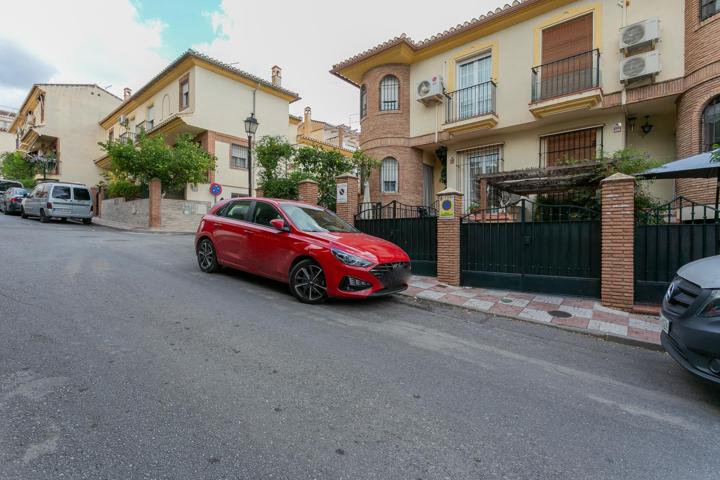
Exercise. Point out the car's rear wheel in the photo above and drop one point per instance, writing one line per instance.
(6, 211)
(87, 221)
(307, 282)
(207, 258)
(43, 217)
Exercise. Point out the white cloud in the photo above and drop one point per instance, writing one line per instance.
(84, 41)
(306, 39)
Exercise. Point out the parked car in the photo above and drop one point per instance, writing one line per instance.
(311, 248)
(690, 317)
(59, 200)
(6, 184)
(12, 200)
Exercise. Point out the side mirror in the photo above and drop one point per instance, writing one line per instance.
(279, 224)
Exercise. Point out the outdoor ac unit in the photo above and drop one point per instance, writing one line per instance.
(122, 120)
(640, 33)
(431, 91)
(639, 66)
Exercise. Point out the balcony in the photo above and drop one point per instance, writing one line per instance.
(572, 83)
(127, 137)
(471, 108)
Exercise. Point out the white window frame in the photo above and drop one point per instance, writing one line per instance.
(243, 149)
(384, 172)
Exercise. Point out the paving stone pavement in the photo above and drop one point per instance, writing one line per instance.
(585, 314)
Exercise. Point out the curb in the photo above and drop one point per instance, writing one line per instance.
(411, 300)
(123, 228)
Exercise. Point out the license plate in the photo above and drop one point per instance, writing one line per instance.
(665, 323)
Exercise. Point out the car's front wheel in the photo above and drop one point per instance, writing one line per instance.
(307, 282)
(207, 258)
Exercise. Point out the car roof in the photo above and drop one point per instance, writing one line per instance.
(64, 184)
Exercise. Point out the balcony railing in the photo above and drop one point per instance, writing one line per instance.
(470, 102)
(127, 137)
(564, 77)
(144, 126)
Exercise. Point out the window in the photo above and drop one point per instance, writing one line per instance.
(237, 210)
(81, 194)
(61, 193)
(150, 118)
(567, 148)
(708, 8)
(475, 92)
(184, 93)
(389, 175)
(111, 135)
(363, 101)
(238, 195)
(389, 93)
(309, 219)
(711, 124)
(238, 156)
(474, 162)
(264, 212)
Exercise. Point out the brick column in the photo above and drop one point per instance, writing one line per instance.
(155, 198)
(448, 238)
(349, 207)
(618, 237)
(308, 191)
(259, 192)
(98, 195)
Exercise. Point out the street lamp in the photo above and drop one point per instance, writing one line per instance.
(251, 125)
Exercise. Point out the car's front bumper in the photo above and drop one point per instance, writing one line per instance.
(381, 284)
(691, 361)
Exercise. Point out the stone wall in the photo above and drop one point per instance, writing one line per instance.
(134, 214)
(175, 215)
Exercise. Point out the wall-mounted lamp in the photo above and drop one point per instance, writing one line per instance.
(647, 127)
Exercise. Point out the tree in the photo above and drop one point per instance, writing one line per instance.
(14, 166)
(364, 164)
(185, 162)
(323, 166)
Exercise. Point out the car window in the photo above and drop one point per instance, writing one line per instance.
(236, 210)
(6, 184)
(312, 219)
(81, 194)
(264, 212)
(61, 193)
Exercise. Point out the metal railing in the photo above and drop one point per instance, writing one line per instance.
(394, 210)
(568, 75)
(470, 102)
(128, 137)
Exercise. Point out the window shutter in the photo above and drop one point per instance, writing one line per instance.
(567, 39)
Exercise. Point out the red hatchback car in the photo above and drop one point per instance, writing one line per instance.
(309, 247)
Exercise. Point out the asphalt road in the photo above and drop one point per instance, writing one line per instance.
(119, 359)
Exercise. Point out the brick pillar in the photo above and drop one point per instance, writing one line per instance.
(349, 207)
(618, 237)
(259, 192)
(155, 198)
(308, 191)
(448, 237)
(98, 195)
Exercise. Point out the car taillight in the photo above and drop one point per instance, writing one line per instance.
(712, 308)
(16, 200)
(48, 205)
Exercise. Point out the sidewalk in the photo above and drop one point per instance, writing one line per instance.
(579, 314)
(122, 226)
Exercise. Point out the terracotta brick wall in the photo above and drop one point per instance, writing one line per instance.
(448, 241)
(618, 231)
(386, 134)
(308, 191)
(347, 210)
(155, 198)
(701, 38)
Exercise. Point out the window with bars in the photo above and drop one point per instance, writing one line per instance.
(708, 8)
(389, 93)
(389, 175)
(238, 156)
(363, 101)
(568, 148)
(474, 162)
(711, 124)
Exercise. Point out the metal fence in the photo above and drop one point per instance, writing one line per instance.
(668, 237)
(474, 101)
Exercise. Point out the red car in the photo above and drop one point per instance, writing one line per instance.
(309, 247)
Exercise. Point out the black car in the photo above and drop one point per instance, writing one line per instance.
(690, 317)
(11, 202)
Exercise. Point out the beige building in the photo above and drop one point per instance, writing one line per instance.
(209, 100)
(7, 139)
(309, 131)
(62, 120)
(539, 83)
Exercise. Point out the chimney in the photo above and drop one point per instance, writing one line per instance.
(126, 93)
(307, 122)
(276, 76)
(341, 135)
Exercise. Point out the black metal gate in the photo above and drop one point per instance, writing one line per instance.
(412, 228)
(533, 248)
(668, 237)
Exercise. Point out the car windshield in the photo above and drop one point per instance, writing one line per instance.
(20, 192)
(309, 219)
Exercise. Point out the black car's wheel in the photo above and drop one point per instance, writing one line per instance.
(87, 221)
(43, 217)
(207, 259)
(22, 213)
(5, 211)
(307, 282)
(63, 220)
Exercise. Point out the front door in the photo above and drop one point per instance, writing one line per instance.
(474, 94)
(270, 248)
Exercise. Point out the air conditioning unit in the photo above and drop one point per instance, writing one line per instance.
(122, 120)
(640, 33)
(431, 91)
(638, 66)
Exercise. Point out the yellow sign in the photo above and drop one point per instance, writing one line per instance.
(447, 207)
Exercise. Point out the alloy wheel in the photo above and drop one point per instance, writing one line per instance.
(206, 255)
(310, 283)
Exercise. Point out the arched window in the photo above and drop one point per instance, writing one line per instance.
(363, 101)
(711, 124)
(389, 175)
(389, 93)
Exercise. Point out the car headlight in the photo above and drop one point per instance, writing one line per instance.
(712, 307)
(350, 259)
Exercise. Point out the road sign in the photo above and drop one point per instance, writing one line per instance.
(215, 189)
(341, 196)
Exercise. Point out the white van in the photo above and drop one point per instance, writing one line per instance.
(59, 200)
